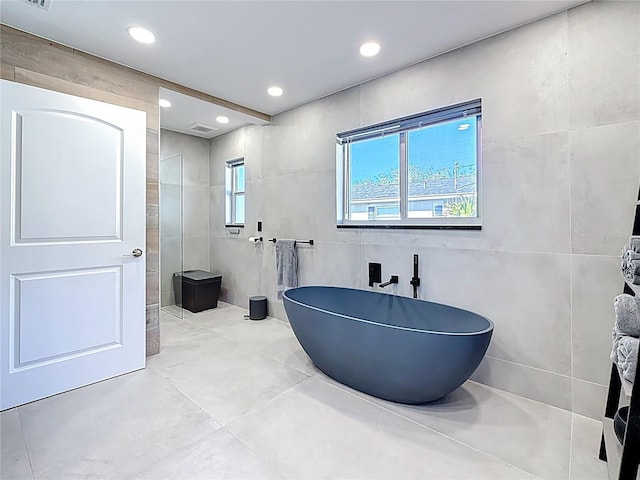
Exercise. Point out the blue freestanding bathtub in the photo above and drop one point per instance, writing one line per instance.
(396, 348)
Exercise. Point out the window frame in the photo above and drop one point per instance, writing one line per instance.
(231, 193)
(402, 127)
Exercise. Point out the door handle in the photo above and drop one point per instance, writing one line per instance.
(136, 253)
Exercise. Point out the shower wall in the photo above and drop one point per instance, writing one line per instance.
(190, 190)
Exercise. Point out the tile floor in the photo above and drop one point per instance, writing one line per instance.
(234, 398)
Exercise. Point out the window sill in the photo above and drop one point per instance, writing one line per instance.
(234, 226)
(412, 227)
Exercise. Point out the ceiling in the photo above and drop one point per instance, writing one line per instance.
(234, 50)
(187, 112)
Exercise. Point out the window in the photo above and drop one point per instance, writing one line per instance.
(420, 171)
(234, 192)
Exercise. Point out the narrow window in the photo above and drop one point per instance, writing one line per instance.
(420, 171)
(234, 182)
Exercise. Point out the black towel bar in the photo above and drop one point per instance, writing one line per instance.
(310, 242)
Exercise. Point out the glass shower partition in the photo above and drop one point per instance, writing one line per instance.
(171, 231)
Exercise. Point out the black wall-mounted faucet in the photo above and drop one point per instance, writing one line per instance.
(393, 279)
(375, 273)
(415, 281)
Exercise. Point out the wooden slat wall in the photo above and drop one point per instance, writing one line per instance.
(31, 60)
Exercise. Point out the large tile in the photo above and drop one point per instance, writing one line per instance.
(175, 329)
(328, 263)
(444, 239)
(254, 208)
(428, 85)
(239, 262)
(217, 212)
(166, 299)
(585, 446)
(171, 261)
(525, 194)
(195, 156)
(170, 168)
(14, 458)
(540, 385)
(520, 74)
(595, 282)
(303, 140)
(171, 311)
(325, 432)
(171, 210)
(253, 152)
(227, 295)
(270, 337)
(303, 206)
(193, 343)
(213, 319)
(604, 54)
(217, 456)
(196, 210)
(502, 424)
(604, 187)
(229, 146)
(276, 309)
(526, 295)
(197, 251)
(253, 213)
(116, 428)
(227, 380)
(589, 399)
(196, 162)
(268, 282)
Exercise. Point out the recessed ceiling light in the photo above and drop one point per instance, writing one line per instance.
(274, 91)
(369, 49)
(463, 126)
(164, 103)
(141, 34)
(222, 119)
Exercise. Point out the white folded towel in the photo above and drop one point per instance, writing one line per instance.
(616, 336)
(627, 314)
(628, 357)
(634, 244)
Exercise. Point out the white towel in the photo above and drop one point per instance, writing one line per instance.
(616, 336)
(634, 244)
(627, 315)
(623, 258)
(628, 357)
(286, 266)
(632, 255)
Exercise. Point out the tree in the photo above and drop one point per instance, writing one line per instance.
(465, 206)
(419, 174)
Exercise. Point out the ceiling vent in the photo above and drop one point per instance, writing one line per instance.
(44, 4)
(201, 128)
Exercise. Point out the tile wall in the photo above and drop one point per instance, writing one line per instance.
(560, 170)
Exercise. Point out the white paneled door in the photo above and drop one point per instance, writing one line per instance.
(72, 214)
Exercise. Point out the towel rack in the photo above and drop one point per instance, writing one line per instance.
(310, 242)
(623, 460)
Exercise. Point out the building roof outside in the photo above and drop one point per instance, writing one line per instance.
(436, 187)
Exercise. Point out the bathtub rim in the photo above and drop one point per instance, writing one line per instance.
(489, 329)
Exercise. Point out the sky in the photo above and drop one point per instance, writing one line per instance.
(438, 146)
